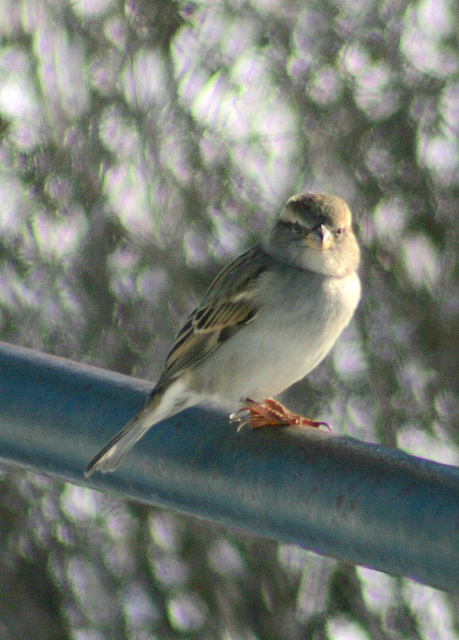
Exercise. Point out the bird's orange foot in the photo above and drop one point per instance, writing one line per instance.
(270, 413)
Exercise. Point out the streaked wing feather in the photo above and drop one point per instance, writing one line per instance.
(196, 347)
(228, 305)
(227, 312)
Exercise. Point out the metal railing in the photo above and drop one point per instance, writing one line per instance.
(332, 494)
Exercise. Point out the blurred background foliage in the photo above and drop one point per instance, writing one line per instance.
(143, 144)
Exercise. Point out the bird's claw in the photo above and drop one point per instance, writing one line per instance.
(270, 413)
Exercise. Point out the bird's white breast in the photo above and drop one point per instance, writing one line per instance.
(297, 324)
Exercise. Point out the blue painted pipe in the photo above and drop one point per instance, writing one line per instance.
(332, 494)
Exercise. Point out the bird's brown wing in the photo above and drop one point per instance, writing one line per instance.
(228, 305)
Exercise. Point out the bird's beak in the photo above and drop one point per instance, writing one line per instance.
(319, 238)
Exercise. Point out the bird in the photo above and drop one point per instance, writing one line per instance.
(266, 321)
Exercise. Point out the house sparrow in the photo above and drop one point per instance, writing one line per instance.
(265, 322)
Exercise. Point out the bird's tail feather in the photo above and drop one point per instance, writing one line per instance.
(160, 405)
(111, 455)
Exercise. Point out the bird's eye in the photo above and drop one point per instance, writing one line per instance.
(339, 232)
(297, 227)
